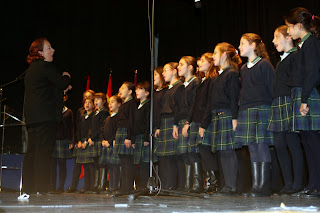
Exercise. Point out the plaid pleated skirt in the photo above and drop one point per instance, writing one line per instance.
(194, 138)
(182, 143)
(166, 144)
(107, 157)
(141, 152)
(222, 131)
(84, 155)
(312, 120)
(252, 126)
(94, 150)
(61, 149)
(119, 147)
(281, 112)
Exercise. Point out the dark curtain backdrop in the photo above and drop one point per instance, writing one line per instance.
(92, 37)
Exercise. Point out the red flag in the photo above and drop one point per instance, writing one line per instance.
(109, 90)
(135, 77)
(88, 82)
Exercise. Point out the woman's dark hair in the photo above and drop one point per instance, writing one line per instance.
(89, 91)
(145, 85)
(36, 46)
(212, 71)
(159, 70)
(232, 54)
(260, 50)
(301, 15)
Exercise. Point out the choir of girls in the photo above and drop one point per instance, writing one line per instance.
(201, 116)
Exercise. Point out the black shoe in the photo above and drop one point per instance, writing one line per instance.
(82, 191)
(70, 190)
(226, 190)
(300, 193)
(312, 193)
(197, 181)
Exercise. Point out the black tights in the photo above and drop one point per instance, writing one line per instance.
(62, 162)
(259, 152)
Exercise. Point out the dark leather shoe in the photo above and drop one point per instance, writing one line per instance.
(82, 191)
(312, 193)
(227, 191)
(70, 190)
(300, 193)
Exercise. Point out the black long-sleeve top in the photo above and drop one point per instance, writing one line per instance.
(96, 124)
(200, 101)
(84, 126)
(157, 95)
(282, 74)
(126, 117)
(109, 129)
(142, 121)
(189, 94)
(306, 72)
(257, 84)
(65, 129)
(173, 102)
(44, 87)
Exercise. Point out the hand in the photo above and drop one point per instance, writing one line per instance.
(185, 130)
(127, 143)
(90, 142)
(304, 109)
(175, 133)
(70, 145)
(201, 131)
(103, 143)
(114, 143)
(133, 146)
(67, 74)
(234, 124)
(156, 133)
(146, 143)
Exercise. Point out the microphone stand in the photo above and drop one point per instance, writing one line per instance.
(4, 120)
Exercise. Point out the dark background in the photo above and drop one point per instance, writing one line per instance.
(92, 37)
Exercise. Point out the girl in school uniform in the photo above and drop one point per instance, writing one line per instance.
(188, 161)
(142, 132)
(85, 153)
(124, 135)
(77, 167)
(255, 105)
(62, 148)
(100, 114)
(279, 121)
(222, 109)
(306, 100)
(166, 146)
(107, 156)
(202, 145)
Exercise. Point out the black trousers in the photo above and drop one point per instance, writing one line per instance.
(36, 164)
(75, 175)
(88, 176)
(127, 172)
(114, 176)
(62, 162)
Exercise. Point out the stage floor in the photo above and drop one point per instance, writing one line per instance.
(105, 203)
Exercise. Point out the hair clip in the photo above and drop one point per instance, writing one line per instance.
(312, 17)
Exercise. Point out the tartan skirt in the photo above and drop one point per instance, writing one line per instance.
(107, 157)
(84, 155)
(222, 131)
(94, 150)
(252, 126)
(166, 144)
(141, 152)
(279, 120)
(182, 143)
(61, 149)
(312, 120)
(194, 138)
(119, 147)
